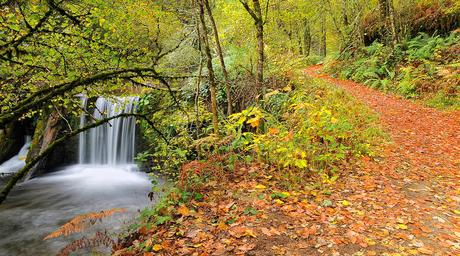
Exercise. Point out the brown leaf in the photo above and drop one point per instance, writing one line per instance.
(192, 233)
(239, 232)
(246, 247)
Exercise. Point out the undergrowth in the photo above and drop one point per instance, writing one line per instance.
(424, 68)
(307, 128)
(314, 128)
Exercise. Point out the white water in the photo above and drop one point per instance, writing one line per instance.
(39, 206)
(113, 143)
(105, 178)
(18, 161)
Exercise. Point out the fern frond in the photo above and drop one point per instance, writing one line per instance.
(80, 222)
(99, 239)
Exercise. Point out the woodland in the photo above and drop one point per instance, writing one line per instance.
(257, 127)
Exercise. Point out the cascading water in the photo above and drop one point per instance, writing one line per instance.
(105, 178)
(112, 143)
(18, 161)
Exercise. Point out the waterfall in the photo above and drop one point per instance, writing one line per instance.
(18, 161)
(111, 143)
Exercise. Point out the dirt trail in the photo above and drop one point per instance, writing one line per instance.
(415, 187)
(405, 202)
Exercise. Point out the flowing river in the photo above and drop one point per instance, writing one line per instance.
(105, 178)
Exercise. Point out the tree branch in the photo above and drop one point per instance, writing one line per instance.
(16, 42)
(37, 99)
(249, 10)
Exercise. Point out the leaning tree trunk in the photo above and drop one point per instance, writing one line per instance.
(221, 57)
(212, 80)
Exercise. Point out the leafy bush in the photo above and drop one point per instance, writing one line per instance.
(317, 128)
(166, 153)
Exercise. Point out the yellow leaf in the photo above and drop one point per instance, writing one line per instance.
(457, 212)
(250, 232)
(370, 241)
(360, 213)
(260, 186)
(254, 122)
(277, 201)
(345, 203)
(413, 252)
(287, 194)
(401, 226)
(157, 247)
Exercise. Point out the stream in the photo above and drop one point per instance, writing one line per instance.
(105, 178)
(39, 206)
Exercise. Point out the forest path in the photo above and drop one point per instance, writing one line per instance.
(404, 202)
(413, 191)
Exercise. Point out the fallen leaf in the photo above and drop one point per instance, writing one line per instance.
(250, 232)
(183, 210)
(401, 226)
(157, 247)
(260, 186)
(246, 247)
(425, 250)
(278, 201)
(239, 232)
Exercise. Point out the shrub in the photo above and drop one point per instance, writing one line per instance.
(317, 128)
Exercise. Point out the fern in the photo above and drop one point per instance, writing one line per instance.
(81, 222)
(99, 239)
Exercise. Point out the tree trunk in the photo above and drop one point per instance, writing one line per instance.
(299, 42)
(344, 13)
(212, 80)
(221, 57)
(260, 47)
(198, 83)
(306, 38)
(388, 19)
(383, 7)
(257, 16)
(323, 46)
(392, 23)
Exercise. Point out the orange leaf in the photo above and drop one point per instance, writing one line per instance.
(273, 131)
(425, 250)
(183, 210)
